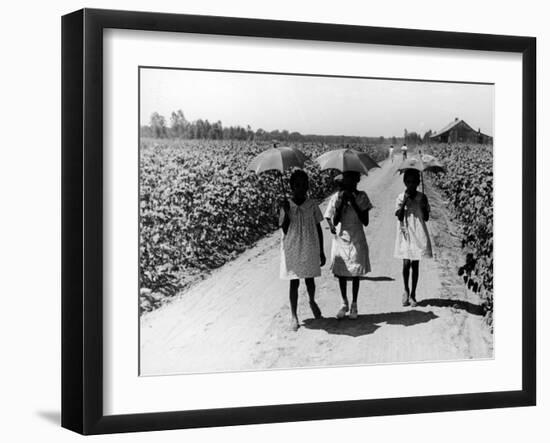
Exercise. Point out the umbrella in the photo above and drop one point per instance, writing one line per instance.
(431, 164)
(280, 158)
(424, 163)
(347, 160)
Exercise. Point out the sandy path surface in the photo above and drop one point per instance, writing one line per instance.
(237, 319)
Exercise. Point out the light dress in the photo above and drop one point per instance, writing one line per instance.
(300, 251)
(412, 238)
(350, 251)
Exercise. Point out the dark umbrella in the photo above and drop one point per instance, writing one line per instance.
(280, 159)
(422, 163)
(347, 160)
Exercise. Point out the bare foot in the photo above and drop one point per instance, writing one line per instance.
(342, 312)
(405, 299)
(294, 325)
(353, 314)
(412, 301)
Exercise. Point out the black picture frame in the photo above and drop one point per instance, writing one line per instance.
(82, 216)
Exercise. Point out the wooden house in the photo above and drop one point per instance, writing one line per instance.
(459, 131)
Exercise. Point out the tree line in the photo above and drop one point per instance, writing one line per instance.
(180, 128)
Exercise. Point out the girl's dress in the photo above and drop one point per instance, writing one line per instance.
(350, 251)
(412, 239)
(300, 249)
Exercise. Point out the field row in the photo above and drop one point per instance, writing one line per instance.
(468, 185)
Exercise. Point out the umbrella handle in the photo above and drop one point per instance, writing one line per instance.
(281, 182)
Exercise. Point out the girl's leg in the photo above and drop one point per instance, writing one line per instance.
(342, 282)
(355, 288)
(355, 292)
(406, 271)
(310, 285)
(414, 265)
(293, 295)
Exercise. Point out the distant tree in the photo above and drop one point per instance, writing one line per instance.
(426, 138)
(260, 134)
(216, 131)
(206, 129)
(413, 138)
(180, 127)
(199, 129)
(158, 125)
(295, 136)
(178, 124)
(226, 133)
(145, 131)
(249, 133)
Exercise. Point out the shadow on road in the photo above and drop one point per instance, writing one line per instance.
(471, 308)
(380, 278)
(369, 323)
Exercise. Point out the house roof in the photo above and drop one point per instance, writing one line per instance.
(451, 126)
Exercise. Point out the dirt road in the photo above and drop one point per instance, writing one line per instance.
(238, 318)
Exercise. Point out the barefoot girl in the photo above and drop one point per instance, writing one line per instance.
(349, 212)
(412, 241)
(302, 244)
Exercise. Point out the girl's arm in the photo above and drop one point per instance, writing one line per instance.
(339, 207)
(364, 217)
(331, 225)
(286, 223)
(400, 212)
(286, 219)
(321, 248)
(425, 207)
(362, 214)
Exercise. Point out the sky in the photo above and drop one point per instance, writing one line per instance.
(315, 105)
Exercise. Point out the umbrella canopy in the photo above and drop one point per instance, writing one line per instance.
(431, 164)
(347, 160)
(426, 163)
(279, 159)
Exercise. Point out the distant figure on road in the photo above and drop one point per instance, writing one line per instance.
(404, 150)
(391, 153)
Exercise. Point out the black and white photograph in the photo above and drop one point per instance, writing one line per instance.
(302, 221)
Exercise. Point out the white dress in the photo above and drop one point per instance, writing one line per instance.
(412, 238)
(350, 251)
(300, 249)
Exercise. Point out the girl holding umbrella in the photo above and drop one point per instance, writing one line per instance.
(302, 241)
(412, 241)
(302, 252)
(348, 210)
(412, 209)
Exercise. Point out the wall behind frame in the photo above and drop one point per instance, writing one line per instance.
(30, 218)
